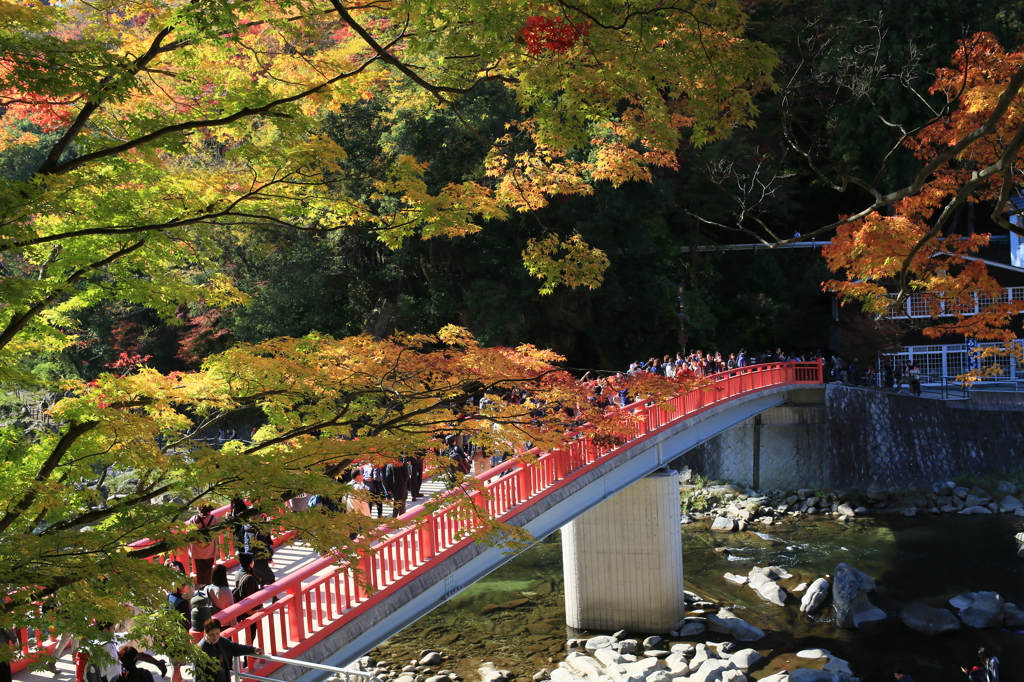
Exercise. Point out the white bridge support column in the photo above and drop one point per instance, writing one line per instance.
(623, 560)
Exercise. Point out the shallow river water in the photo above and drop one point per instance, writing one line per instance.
(516, 617)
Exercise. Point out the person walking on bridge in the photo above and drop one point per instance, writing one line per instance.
(222, 651)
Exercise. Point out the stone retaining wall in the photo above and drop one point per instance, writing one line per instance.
(842, 437)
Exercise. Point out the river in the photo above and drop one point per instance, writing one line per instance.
(515, 617)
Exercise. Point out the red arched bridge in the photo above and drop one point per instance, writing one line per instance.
(324, 615)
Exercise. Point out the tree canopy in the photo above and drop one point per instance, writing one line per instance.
(143, 141)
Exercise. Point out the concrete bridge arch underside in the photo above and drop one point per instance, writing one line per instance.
(647, 457)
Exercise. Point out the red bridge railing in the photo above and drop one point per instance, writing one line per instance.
(326, 595)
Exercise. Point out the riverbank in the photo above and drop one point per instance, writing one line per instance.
(732, 508)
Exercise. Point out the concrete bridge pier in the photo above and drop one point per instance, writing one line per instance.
(623, 560)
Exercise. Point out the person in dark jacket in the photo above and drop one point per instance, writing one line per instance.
(130, 670)
(416, 474)
(396, 481)
(223, 652)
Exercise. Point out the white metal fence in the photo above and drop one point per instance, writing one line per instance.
(951, 360)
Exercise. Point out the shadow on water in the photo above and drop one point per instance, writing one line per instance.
(516, 616)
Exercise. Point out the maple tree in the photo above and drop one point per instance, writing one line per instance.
(155, 128)
(971, 151)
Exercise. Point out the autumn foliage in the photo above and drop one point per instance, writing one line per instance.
(912, 249)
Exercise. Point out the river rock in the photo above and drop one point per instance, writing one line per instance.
(584, 665)
(861, 511)
(656, 653)
(617, 673)
(799, 588)
(929, 620)
(943, 488)
(977, 509)
(839, 668)
(738, 579)
(653, 642)
(1010, 503)
(815, 596)
(947, 509)
(877, 494)
(1006, 488)
(717, 670)
(609, 657)
(677, 664)
(910, 511)
(771, 591)
(563, 675)
(701, 654)
(684, 648)
(745, 659)
(1013, 617)
(726, 622)
(985, 610)
(645, 666)
(1019, 512)
(813, 654)
(975, 500)
(723, 524)
(809, 675)
(542, 674)
(850, 590)
(431, 658)
(601, 642)
(692, 629)
(626, 646)
(660, 676)
(845, 509)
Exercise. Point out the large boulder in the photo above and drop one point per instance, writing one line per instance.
(767, 588)
(692, 629)
(815, 596)
(1013, 617)
(601, 642)
(677, 664)
(1010, 503)
(985, 610)
(723, 524)
(745, 659)
(929, 620)
(850, 590)
(726, 622)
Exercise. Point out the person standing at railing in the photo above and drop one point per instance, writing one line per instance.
(203, 553)
(221, 652)
(915, 380)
